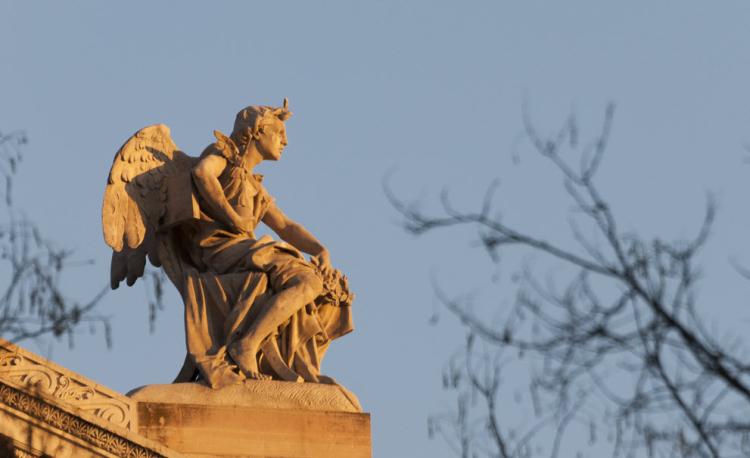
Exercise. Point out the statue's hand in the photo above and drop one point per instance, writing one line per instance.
(323, 261)
(243, 227)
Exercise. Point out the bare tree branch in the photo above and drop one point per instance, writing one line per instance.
(32, 300)
(625, 330)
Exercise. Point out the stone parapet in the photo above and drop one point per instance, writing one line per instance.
(266, 394)
(49, 411)
(29, 371)
(224, 431)
(255, 419)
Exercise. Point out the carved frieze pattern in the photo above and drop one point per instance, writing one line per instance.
(24, 371)
(95, 435)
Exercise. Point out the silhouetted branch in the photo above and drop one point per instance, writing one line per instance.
(32, 300)
(623, 337)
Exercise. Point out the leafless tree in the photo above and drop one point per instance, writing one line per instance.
(621, 348)
(32, 298)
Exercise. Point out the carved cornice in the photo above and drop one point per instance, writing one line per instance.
(38, 408)
(10, 448)
(27, 370)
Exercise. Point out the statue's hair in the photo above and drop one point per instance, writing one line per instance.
(253, 117)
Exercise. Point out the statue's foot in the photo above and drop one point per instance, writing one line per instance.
(227, 378)
(256, 376)
(246, 358)
(327, 380)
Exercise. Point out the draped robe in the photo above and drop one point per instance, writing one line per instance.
(225, 279)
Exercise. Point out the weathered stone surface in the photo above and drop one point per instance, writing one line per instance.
(266, 394)
(31, 426)
(257, 419)
(47, 410)
(30, 371)
(225, 431)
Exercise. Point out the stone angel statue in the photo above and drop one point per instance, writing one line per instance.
(255, 308)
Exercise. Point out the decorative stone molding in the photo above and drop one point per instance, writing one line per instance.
(27, 370)
(38, 408)
(13, 449)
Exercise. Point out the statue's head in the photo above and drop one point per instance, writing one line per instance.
(263, 125)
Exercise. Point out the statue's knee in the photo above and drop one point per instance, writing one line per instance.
(313, 285)
(306, 285)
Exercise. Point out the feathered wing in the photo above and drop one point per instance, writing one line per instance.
(140, 189)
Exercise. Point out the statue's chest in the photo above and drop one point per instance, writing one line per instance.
(244, 192)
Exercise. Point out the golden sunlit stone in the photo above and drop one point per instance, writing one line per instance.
(259, 318)
(47, 410)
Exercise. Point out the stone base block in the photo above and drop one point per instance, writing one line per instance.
(49, 411)
(226, 431)
(265, 394)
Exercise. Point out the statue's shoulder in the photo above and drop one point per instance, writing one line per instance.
(225, 147)
(213, 150)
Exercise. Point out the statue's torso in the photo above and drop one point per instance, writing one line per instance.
(243, 190)
(245, 193)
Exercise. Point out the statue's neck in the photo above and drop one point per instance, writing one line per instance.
(251, 157)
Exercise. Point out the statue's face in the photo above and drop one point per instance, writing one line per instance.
(272, 140)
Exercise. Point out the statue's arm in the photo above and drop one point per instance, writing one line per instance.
(295, 234)
(206, 178)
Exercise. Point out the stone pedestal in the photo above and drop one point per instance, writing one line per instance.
(47, 410)
(218, 431)
(259, 419)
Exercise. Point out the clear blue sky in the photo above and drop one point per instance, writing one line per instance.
(432, 88)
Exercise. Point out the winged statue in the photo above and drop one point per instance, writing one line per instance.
(255, 308)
